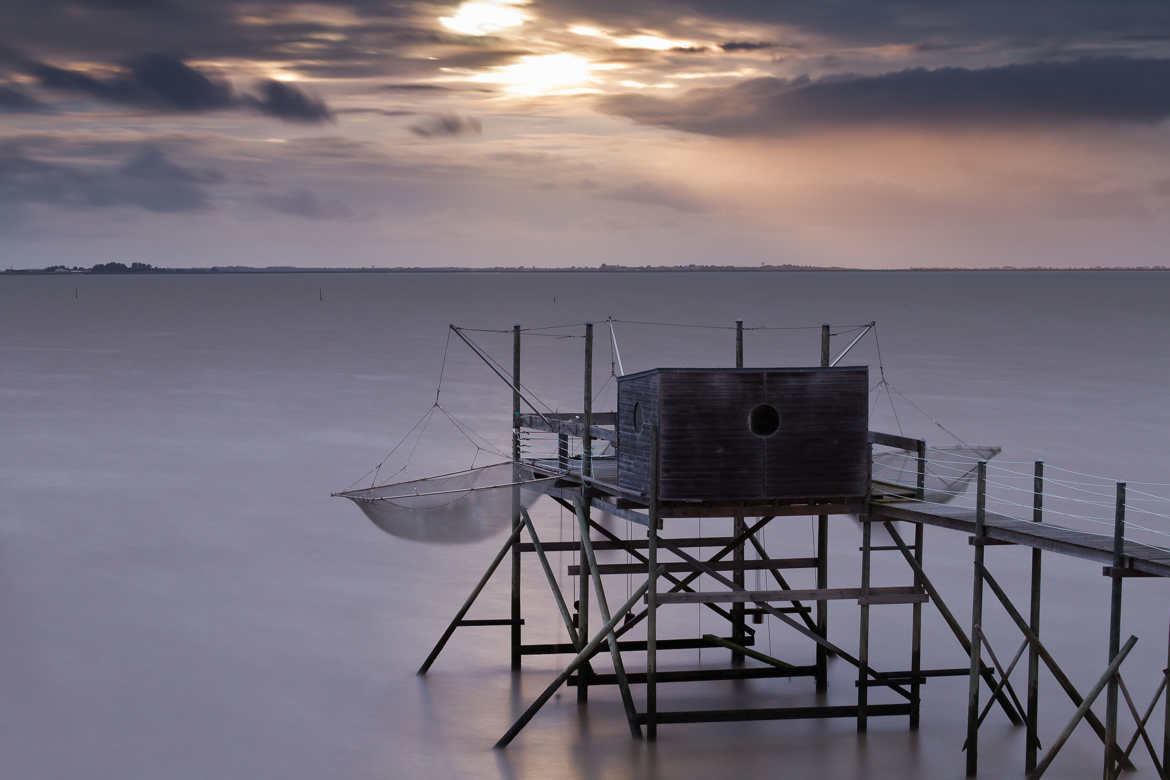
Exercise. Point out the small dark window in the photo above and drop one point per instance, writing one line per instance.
(764, 420)
(638, 421)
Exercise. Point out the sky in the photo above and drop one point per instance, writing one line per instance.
(559, 133)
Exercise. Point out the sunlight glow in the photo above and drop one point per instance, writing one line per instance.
(540, 74)
(643, 40)
(483, 17)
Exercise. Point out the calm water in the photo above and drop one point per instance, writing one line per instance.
(181, 598)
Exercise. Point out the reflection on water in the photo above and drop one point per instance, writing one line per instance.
(181, 597)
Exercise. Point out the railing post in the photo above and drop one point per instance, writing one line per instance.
(976, 627)
(1114, 630)
(652, 596)
(1033, 705)
(822, 661)
(737, 609)
(517, 521)
(586, 471)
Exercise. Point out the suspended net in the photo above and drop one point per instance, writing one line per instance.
(901, 469)
(465, 506)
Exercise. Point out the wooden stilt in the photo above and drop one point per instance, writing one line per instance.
(587, 471)
(516, 636)
(737, 613)
(863, 631)
(916, 636)
(1114, 630)
(822, 620)
(558, 597)
(976, 630)
(1033, 716)
(652, 597)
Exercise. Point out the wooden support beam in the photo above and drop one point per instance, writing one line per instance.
(1140, 721)
(777, 713)
(1058, 673)
(629, 544)
(762, 657)
(578, 661)
(586, 471)
(603, 607)
(1114, 630)
(949, 618)
(813, 635)
(1082, 710)
(682, 566)
(627, 645)
(553, 585)
(867, 593)
(916, 631)
(438, 648)
(783, 583)
(738, 624)
(516, 637)
(652, 596)
(976, 621)
(898, 594)
(705, 675)
(1033, 717)
(894, 440)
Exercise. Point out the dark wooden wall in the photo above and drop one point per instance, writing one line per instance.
(707, 451)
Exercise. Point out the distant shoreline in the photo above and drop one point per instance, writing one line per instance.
(561, 270)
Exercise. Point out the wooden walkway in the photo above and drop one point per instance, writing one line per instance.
(1138, 558)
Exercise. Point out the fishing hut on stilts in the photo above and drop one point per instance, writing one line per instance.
(753, 447)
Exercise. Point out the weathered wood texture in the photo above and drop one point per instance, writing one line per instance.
(709, 450)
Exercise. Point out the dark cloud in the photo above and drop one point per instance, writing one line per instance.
(162, 82)
(1123, 90)
(14, 101)
(447, 126)
(147, 180)
(746, 45)
(287, 102)
(305, 203)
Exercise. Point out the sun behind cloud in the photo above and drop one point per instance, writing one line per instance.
(484, 17)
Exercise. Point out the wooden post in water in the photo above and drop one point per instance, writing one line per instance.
(1114, 630)
(916, 627)
(976, 627)
(737, 609)
(652, 596)
(822, 662)
(863, 633)
(586, 471)
(517, 520)
(1033, 704)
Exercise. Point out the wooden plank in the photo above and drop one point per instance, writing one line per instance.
(638, 544)
(777, 713)
(890, 595)
(683, 566)
(705, 675)
(894, 440)
(571, 427)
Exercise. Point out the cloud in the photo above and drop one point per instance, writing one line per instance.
(13, 101)
(447, 126)
(1085, 90)
(148, 180)
(286, 102)
(746, 45)
(162, 82)
(305, 203)
(658, 195)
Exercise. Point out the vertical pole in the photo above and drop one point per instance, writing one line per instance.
(1033, 715)
(1166, 715)
(586, 470)
(822, 662)
(652, 596)
(737, 609)
(916, 634)
(863, 633)
(516, 519)
(976, 627)
(916, 627)
(1114, 631)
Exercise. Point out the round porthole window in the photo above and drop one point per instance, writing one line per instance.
(638, 421)
(764, 420)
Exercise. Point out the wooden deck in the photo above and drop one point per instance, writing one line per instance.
(1139, 558)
